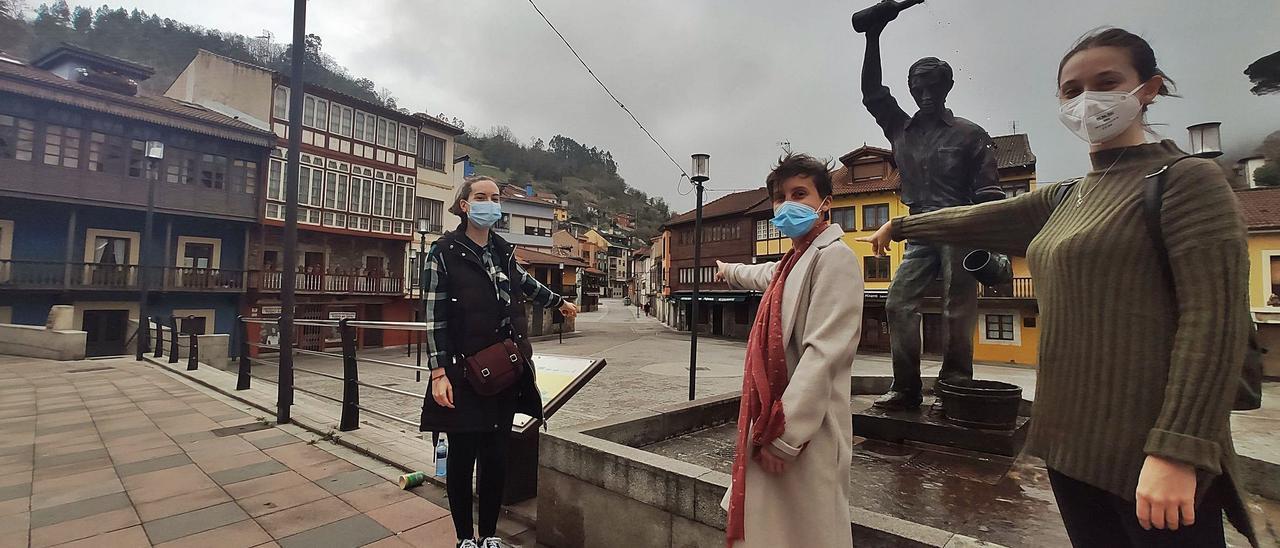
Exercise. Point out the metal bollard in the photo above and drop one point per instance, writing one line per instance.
(193, 356)
(350, 378)
(173, 339)
(242, 375)
(159, 337)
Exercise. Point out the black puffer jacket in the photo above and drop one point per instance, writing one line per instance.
(475, 314)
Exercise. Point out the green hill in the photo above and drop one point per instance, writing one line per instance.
(584, 176)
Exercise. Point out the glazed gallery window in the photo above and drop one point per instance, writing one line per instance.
(335, 191)
(275, 181)
(999, 327)
(17, 138)
(340, 117)
(315, 113)
(364, 126)
(62, 146)
(180, 166)
(874, 216)
(280, 103)
(846, 217)
(137, 158)
(766, 231)
(244, 176)
(432, 210)
(875, 269)
(197, 255)
(213, 171)
(404, 138)
(382, 132)
(106, 153)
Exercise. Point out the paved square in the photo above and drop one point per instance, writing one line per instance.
(120, 453)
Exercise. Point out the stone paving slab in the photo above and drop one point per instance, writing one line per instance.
(123, 453)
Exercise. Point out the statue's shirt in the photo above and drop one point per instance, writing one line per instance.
(943, 164)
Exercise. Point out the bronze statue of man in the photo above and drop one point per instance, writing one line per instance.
(944, 161)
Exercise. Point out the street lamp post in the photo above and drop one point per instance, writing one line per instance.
(289, 270)
(701, 174)
(424, 226)
(413, 284)
(155, 153)
(1206, 139)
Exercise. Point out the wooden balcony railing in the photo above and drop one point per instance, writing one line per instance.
(331, 282)
(1019, 288)
(21, 274)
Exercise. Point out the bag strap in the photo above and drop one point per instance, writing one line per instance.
(1152, 202)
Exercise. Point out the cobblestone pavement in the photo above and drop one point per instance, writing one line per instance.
(116, 453)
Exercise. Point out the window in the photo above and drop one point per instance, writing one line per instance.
(404, 202)
(1273, 300)
(335, 114)
(431, 152)
(335, 191)
(1012, 191)
(875, 269)
(359, 131)
(537, 227)
(111, 250)
(1000, 327)
(411, 146)
(62, 146)
(344, 127)
(197, 255)
(275, 181)
(180, 166)
(105, 152)
(244, 176)
(404, 138)
(280, 103)
(16, 136)
(137, 157)
(874, 216)
(766, 231)
(310, 187)
(393, 131)
(309, 111)
(846, 217)
(433, 212)
(361, 195)
(382, 132)
(322, 115)
(213, 171)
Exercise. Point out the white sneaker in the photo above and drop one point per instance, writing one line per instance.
(468, 544)
(492, 542)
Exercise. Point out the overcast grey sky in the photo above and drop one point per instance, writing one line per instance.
(733, 78)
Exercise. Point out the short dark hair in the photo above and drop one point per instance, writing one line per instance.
(800, 165)
(932, 65)
(1140, 54)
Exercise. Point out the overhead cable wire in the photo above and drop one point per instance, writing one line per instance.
(606, 88)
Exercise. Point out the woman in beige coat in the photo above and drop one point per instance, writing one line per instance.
(791, 475)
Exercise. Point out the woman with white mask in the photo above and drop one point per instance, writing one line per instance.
(1143, 326)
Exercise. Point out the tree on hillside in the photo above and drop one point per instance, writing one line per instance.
(1265, 74)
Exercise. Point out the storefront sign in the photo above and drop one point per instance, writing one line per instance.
(341, 315)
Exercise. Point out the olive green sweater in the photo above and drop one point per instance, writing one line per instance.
(1127, 369)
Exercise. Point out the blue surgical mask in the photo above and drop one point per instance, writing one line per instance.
(485, 214)
(794, 219)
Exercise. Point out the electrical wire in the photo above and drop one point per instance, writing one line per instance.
(606, 90)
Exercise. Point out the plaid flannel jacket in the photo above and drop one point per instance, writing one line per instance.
(437, 297)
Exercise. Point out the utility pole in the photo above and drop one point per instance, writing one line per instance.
(289, 277)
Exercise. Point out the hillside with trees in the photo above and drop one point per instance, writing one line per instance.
(167, 45)
(586, 177)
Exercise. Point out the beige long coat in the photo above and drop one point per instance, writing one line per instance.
(808, 504)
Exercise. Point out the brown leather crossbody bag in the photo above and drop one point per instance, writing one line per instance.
(495, 368)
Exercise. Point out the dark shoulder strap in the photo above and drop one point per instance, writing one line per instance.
(1063, 190)
(1152, 201)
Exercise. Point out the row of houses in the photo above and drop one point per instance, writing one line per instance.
(81, 148)
(736, 228)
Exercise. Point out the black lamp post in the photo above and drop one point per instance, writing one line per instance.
(1206, 139)
(424, 227)
(155, 153)
(413, 283)
(701, 174)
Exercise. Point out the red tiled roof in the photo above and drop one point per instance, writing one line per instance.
(842, 183)
(1013, 151)
(732, 204)
(22, 79)
(1260, 207)
(529, 256)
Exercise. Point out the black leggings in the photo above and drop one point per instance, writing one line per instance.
(1098, 519)
(489, 449)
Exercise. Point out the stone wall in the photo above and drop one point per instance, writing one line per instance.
(37, 342)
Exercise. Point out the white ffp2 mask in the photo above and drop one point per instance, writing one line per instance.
(1099, 116)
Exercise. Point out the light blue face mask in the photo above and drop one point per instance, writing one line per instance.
(485, 214)
(794, 219)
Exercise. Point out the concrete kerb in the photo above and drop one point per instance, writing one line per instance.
(599, 454)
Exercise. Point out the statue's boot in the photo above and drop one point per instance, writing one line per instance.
(899, 401)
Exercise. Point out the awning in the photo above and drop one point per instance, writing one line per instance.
(715, 297)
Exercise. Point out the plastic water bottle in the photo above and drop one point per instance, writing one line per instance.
(442, 457)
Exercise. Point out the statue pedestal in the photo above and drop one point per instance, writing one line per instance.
(927, 426)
